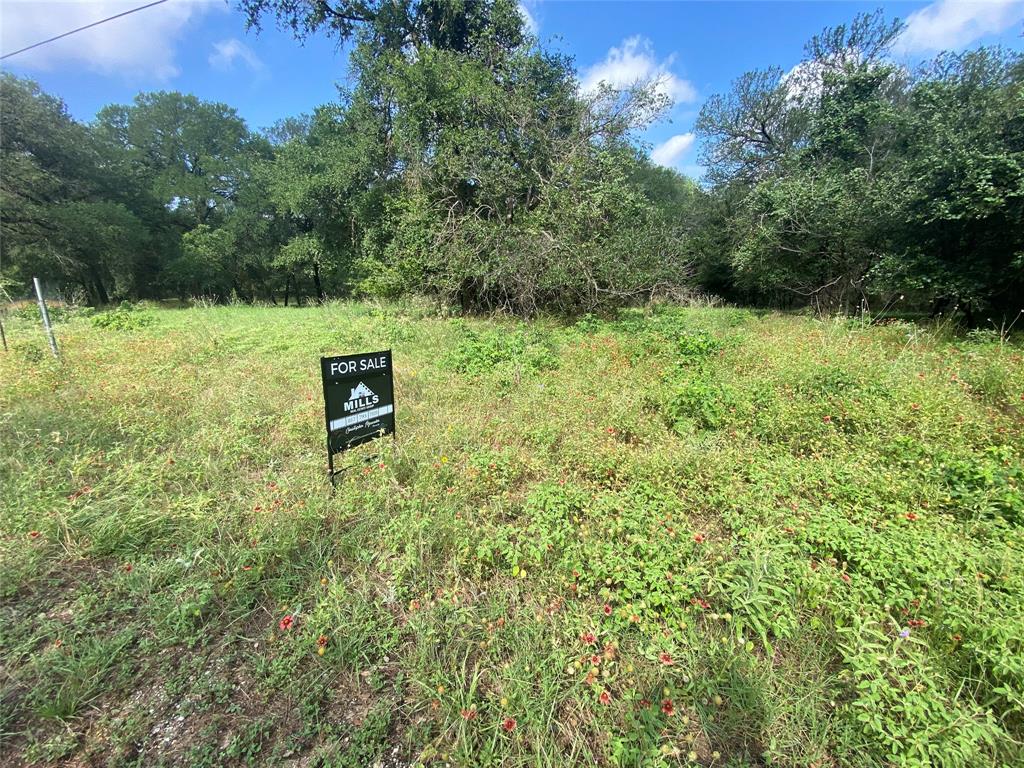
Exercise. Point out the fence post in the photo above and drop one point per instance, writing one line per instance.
(46, 317)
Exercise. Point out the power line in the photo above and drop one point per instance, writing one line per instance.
(87, 26)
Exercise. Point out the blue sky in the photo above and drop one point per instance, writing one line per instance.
(693, 49)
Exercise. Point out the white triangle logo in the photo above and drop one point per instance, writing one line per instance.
(360, 391)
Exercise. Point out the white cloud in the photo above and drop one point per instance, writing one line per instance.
(672, 150)
(952, 24)
(531, 21)
(140, 45)
(634, 62)
(227, 52)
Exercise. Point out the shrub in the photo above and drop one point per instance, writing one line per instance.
(127, 317)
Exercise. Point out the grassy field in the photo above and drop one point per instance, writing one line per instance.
(689, 536)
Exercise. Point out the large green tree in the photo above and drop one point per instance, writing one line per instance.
(193, 154)
(66, 216)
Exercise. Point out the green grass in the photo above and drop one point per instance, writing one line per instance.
(737, 513)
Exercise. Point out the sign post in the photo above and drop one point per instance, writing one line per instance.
(359, 400)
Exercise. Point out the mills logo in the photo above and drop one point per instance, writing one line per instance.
(361, 397)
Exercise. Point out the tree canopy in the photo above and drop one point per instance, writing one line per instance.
(466, 163)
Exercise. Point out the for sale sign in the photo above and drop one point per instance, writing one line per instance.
(359, 399)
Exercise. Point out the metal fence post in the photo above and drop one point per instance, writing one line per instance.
(46, 317)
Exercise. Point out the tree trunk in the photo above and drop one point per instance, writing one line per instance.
(320, 295)
(101, 291)
(287, 288)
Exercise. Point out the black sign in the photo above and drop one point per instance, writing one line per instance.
(359, 400)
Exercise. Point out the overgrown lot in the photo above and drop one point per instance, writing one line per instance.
(685, 536)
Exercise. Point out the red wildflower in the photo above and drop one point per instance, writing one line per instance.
(286, 622)
(33, 534)
(605, 698)
(665, 658)
(915, 406)
(246, 567)
(607, 610)
(509, 724)
(668, 707)
(589, 638)
(634, 619)
(595, 659)
(844, 577)
(127, 567)
(827, 419)
(644, 703)
(911, 516)
(469, 714)
(322, 641)
(699, 538)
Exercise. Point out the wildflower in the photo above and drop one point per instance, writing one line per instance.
(286, 623)
(127, 567)
(469, 714)
(634, 619)
(33, 534)
(665, 658)
(595, 660)
(435, 704)
(644, 703)
(668, 707)
(827, 419)
(589, 638)
(605, 698)
(414, 605)
(915, 407)
(699, 538)
(845, 577)
(508, 724)
(246, 567)
(904, 633)
(911, 516)
(322, 641)
(607, 610)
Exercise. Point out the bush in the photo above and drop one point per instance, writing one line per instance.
(525, 351)
(127, 317)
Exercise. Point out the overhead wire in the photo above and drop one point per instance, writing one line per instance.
(80, 29)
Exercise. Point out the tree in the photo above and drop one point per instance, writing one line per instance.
(964, 208)
(193, 154)
(61, 220)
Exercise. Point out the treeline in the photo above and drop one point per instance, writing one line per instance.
(466, 163)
